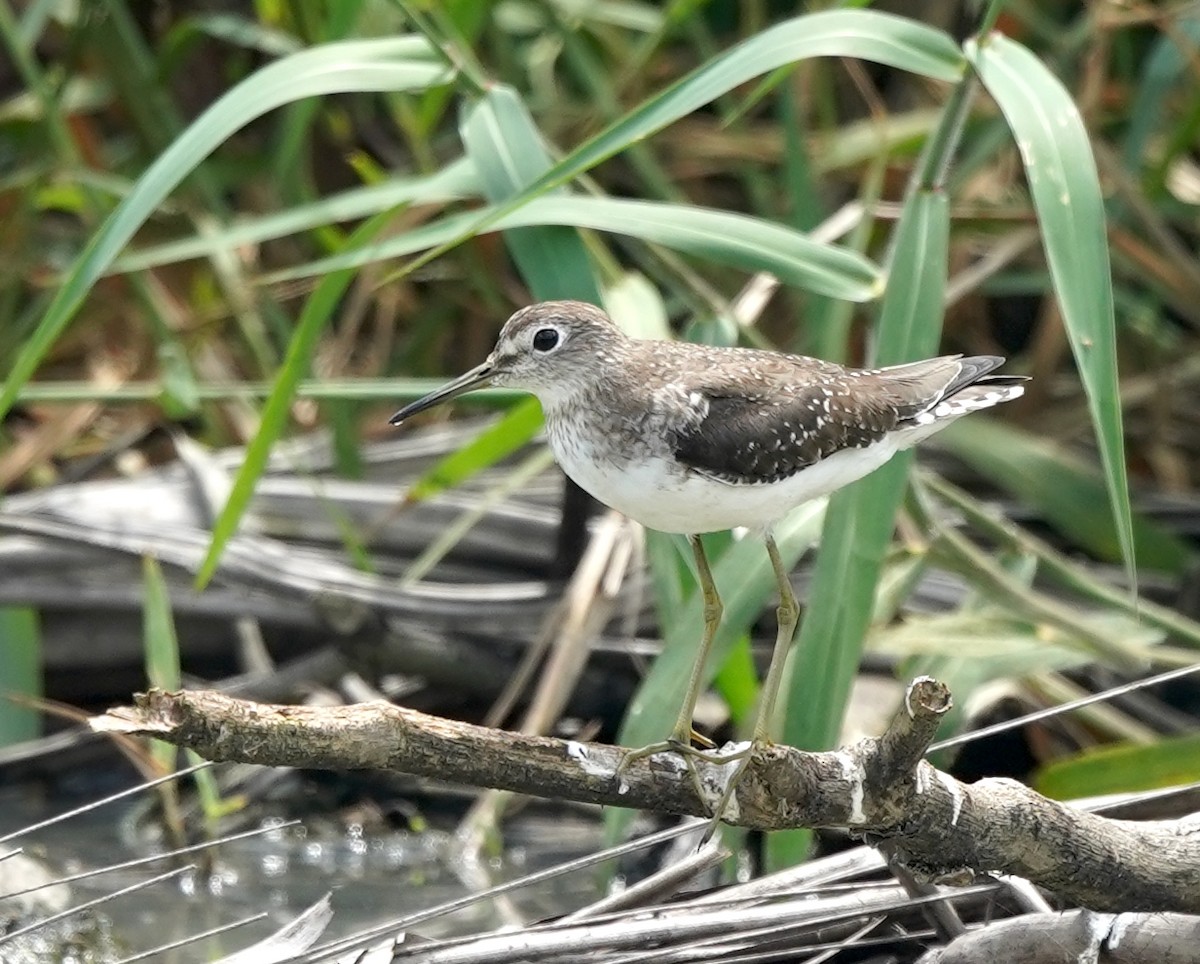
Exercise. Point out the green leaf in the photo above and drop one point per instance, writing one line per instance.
(737, 681)
(161, 651)
(158, 629)
(997, 640)
(456, 180)
(910, 321)
(1065, 188)
(736, 239)
(1062, 570)
(1169, 64)
(673, 580)
(637, 307)
(496, 442)
(21, 657)
(1127, 768)
(858, 526)
(1068, 492)
(861, 34)
(164, 670)
(228, 28)
(402, 63)
(504, 146)
(859, 523)
(864, 34)
(507, 150)
(313, 318)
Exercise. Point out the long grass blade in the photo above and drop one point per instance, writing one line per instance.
(721, 236)
(1069, 493)
(455, 181)
(859, 523)
(1065, 188)
(1171, 63)
(1063, 708)
(403, 63)
(313, 318)
(865, 34)
(502, 140)
(504, 145)
(1123, 768)
(862, 34)
(21, 659)
(494, 443)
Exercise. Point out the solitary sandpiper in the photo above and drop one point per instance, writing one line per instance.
(690, 439)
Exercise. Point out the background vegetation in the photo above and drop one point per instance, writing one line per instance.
(192, 237)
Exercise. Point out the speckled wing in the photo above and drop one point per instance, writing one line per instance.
(767, 427)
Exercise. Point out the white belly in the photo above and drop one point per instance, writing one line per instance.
(660, 496)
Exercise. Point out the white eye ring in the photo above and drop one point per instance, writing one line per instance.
(546, 340)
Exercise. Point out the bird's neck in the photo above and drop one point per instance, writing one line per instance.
(580, 392)
(568, 400)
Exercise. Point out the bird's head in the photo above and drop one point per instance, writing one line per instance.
(550, 349)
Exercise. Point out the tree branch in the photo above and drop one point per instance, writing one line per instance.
(880, 789)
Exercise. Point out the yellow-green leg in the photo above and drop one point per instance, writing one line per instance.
(681, 735)
(789, 616)
(680, 741)
(714, 609)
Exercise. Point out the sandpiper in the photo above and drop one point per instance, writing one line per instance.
(691, 439)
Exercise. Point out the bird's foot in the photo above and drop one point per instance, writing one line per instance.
(739, 754)
(676, 743)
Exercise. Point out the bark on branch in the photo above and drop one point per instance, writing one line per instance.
(881, 789)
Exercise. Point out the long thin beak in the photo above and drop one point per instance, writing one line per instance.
(464, 383)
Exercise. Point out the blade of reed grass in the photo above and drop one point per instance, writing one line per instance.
(498, 441)
(368, 389)
(504, 146)
(1124, 768)
(865, 34)
(230, 28)
(1067, 197)
(161, 650)
(859, 523)
(158, 630)
(318, 309)
(393, 64)
(1170, 63)
(862, 34)
(164, 670)
(455, 181)
(735, 239)
(1068, 492)
(1057, 567)
(637, 306)
(507, 150)
(21, 659)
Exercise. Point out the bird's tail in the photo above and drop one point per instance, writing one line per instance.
(983, 392)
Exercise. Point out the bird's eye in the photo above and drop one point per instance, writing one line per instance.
(545, 339)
